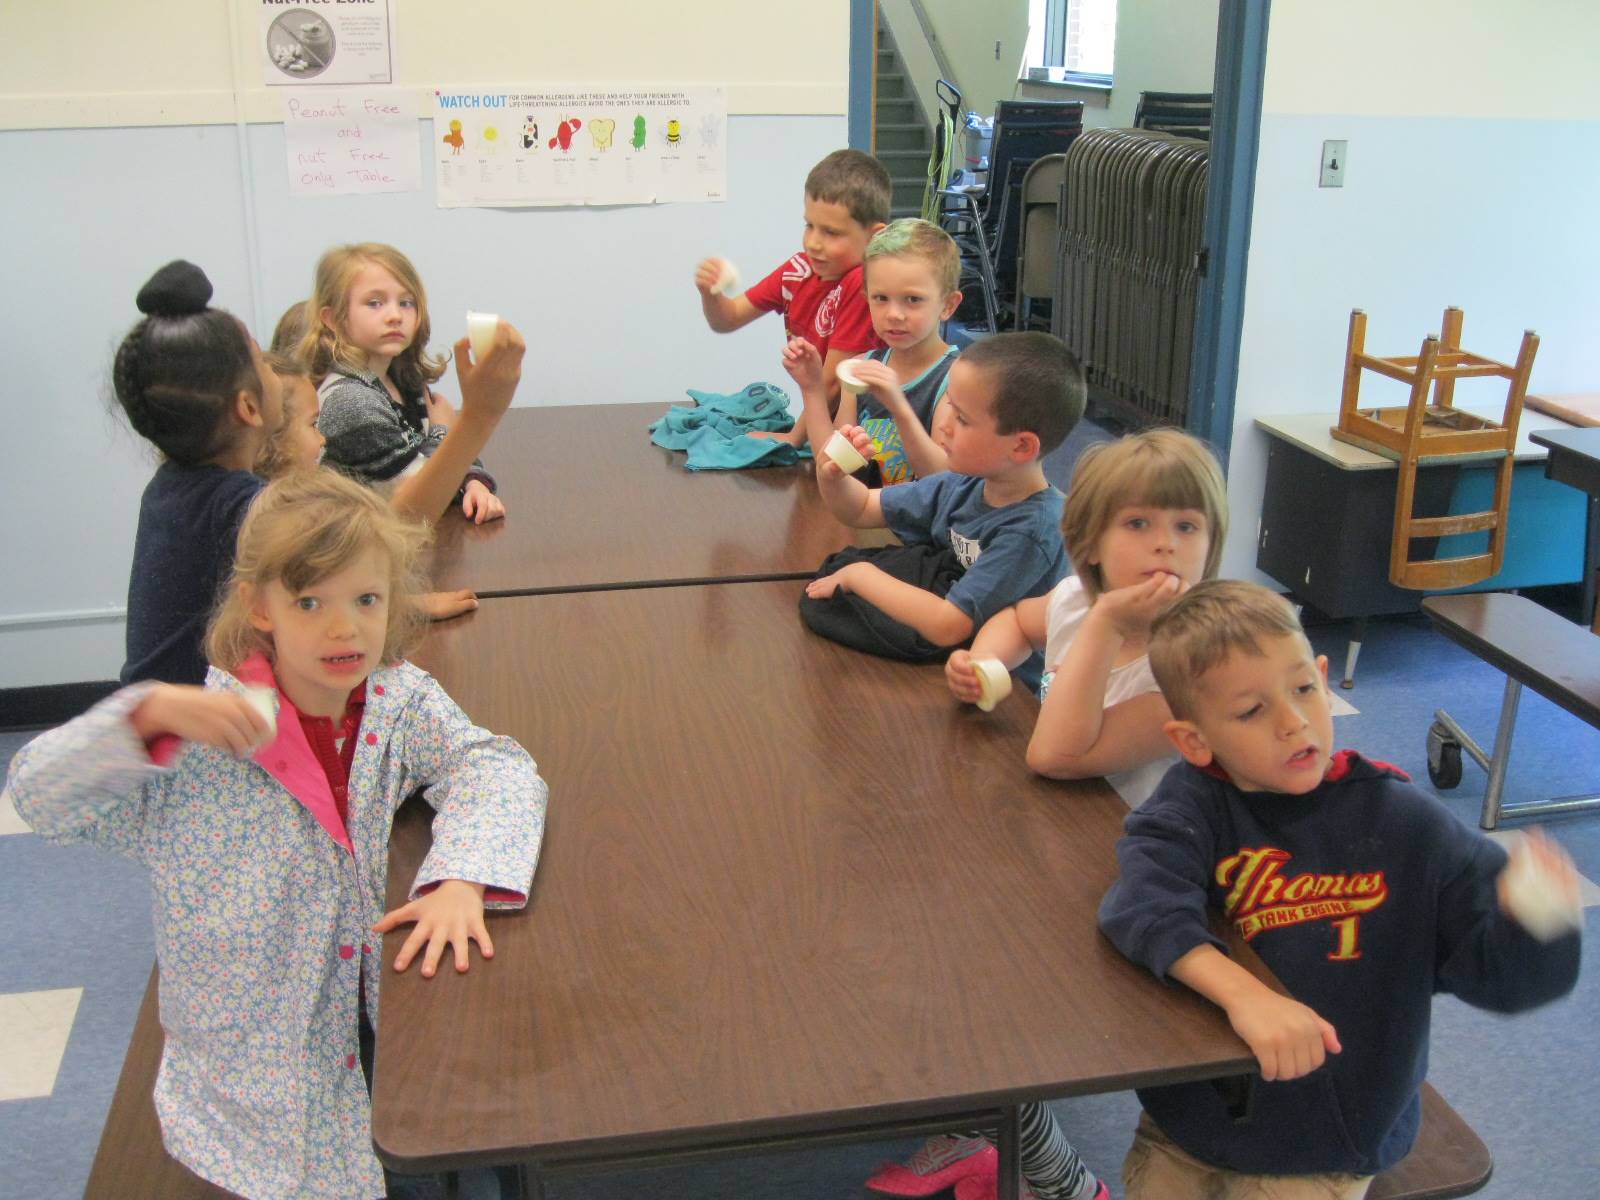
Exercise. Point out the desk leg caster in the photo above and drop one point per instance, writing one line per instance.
(1358, 631)
(1444, 757)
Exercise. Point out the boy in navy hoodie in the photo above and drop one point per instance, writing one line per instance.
(1362, 894)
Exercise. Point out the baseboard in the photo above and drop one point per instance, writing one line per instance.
(50, 704)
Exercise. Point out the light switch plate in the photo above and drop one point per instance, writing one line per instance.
(1334, 154)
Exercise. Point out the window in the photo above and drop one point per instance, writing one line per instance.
(1072, 41)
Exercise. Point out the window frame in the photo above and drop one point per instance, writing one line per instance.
(1054, 52)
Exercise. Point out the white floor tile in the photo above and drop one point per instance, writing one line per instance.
(9, 821)
(34, 1027)
(1339, 706)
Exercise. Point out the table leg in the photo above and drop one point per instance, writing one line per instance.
(1591, 563)
(1010, 1146)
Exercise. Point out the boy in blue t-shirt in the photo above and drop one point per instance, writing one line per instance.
(1011, 399)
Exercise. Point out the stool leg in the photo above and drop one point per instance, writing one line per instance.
(1358, 633)
(1502, 755)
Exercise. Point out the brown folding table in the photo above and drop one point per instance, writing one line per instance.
(788, 892)
(592, 503)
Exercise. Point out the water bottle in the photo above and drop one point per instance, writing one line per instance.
(978, 133)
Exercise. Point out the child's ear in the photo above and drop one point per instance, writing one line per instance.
(951, 303)
(875, 229)
(1322, 669)
(1024, 446)
(1189, 741)
(259, 620)
(247, 408)
(325, 315)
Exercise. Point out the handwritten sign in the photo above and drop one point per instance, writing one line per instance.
(351, 140)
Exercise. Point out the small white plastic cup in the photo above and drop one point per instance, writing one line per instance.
(1536, 901)
(847, 377)
(728, 281)
(842, 452)
(994, 682)
(481, 329)
(265, 701)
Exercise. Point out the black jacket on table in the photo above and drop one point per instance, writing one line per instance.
(1364, 897)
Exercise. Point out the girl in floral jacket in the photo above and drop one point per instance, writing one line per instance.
(262, 804)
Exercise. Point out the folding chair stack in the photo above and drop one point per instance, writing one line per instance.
(1127, 276)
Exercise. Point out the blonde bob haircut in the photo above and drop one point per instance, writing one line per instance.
(1207, 625)
(1159, 468)
(912, 237)
(302, 529)
(413, 369)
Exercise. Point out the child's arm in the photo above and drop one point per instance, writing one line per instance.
(922, 452)
(487, 388)
(934, 617)
(1288, 1038)
(1011, 636)
(850, 500)
(814, 377)
(1486, 956)
(1155, 914)
(441, 606)
(487, 793)
(91, 779)
(1076, 736)
(724, 314)
(479, 504)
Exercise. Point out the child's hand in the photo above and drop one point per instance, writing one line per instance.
(827, 585)
(1130, 610)
(451, 914)
(963, 680)
(441, 606)
(479, 505)
(804, 364)
(1288, 1039)
(488, 385)
(707, 274)
(880, 377)
(1548, 888)
(225, 720)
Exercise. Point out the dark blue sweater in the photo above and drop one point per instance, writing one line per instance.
(188, 528)
(1364, 897)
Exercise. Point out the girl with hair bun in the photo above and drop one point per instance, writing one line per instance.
(191, 382)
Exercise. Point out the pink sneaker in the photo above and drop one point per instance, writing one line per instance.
(942, 1162)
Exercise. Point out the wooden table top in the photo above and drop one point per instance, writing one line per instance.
(786, 888)
(592, 503)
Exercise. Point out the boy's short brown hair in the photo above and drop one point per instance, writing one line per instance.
(1207, 624)
(1159, 468)
(912, 237)
(1038, 384)
(856, 180)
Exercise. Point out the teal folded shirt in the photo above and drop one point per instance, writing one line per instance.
(713, 431)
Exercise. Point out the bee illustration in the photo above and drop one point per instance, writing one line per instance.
(674, 132)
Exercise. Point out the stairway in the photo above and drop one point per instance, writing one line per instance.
(902, 139)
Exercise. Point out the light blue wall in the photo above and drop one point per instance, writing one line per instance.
(1494, 215)
(604, 297)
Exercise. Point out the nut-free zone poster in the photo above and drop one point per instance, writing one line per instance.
(326, 41)
(581, 146)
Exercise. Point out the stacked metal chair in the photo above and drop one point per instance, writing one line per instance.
(1187, 114)
(985, 223)
(1127, 279)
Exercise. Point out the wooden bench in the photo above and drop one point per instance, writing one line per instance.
(1448, 1159)
(131, 1163)
(1535, 648)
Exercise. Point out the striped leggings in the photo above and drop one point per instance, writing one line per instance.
(1049, 1163)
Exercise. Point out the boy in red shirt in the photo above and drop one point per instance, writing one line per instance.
(819, 291)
